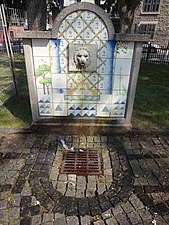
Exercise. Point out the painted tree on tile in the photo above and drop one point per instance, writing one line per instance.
(42, 71)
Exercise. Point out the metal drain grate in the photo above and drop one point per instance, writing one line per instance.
(82, 162)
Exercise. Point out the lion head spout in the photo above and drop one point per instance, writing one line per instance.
(82, 57)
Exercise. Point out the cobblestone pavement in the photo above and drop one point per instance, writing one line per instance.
(131, 188)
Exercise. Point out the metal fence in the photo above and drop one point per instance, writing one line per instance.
(8, 79)
(155, 54)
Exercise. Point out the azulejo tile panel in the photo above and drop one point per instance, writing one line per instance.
(102, 93)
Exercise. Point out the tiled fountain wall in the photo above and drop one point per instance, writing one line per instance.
(100, 96)
(102, 93)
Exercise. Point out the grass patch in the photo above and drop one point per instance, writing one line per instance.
(16, 113)
(151, 108)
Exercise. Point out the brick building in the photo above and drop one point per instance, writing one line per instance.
(152, 17)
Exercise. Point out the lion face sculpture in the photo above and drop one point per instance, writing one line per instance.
(82, 57)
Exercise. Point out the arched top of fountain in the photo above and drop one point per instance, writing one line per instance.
(84, 6)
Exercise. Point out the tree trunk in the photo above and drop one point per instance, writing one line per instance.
(36, 13)
(126, 21)
(126, 9)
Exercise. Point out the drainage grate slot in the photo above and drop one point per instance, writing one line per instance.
(82, 162)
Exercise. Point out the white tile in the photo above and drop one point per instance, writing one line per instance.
(124, 49)
(70, 33)
(39, 80)
(58, 97)
(71, 16)
(44, 96)
(59, 109)
(103, 110)
(97, 24)
(87, 15)
(59, 81)
(105, 82)
(88, 34)
(105, 98)
(104, 34)
(120, 82)
(39, 61)
(40, 47)
(122, 66)
(119, 98)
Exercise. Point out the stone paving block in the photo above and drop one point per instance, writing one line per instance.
(107, 214)
(111, 221)
(122, 219)
(90, 139)
(48, 217)
(3, 215)
(25, 221)
(15, 222)
(3, 204)
(145, 215)
(96, 139)
(72, 220)
(36, 220)
(127, 207)
(101, 222)
(134, 218)
(60, 219)
(117, 210)
(90, 145)
(85, 220)
(104, 139)
(14, 213)
(137, 204)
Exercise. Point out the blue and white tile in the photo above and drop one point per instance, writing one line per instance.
(103, 110)
(71, 16)
(88, 34)
(87, 15)
(78, 25)
(70, 33)
(75, 110)
(105, 82)
(59, 80)
(62, 27)
(63, 45)
(63, 64)
(119, 98)
(89, 110)
(54, 47)
(55, 64)
(104, 34)
(122, 66)
(126, 50)
(97, 24)
(44, 98)
(45, 109)
(59, 109)
(40, 47)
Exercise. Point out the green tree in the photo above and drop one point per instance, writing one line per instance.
(42, 71)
